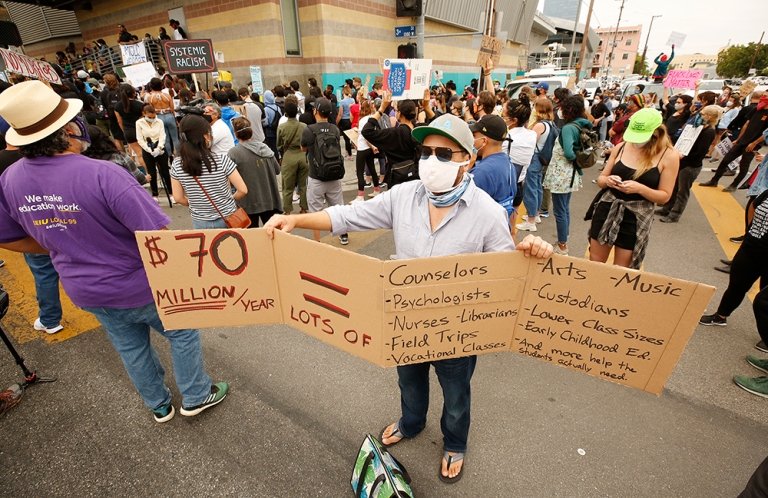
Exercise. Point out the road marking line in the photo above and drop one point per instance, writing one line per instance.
(18, 281)
(721, 209)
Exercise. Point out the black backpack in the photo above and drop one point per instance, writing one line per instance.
(326, 153)
(272, 126)
(545, 153)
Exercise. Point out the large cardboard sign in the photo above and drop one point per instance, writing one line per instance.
(490, 49)
(189, 56)
(617, 324)
(34, 68)
(406, 78)
(140, 74)
(135, 53)
(683, 78)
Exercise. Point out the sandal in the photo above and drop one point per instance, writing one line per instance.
(451, 459)
(396, 432)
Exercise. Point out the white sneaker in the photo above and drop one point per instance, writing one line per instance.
(562, 252)
(295, 198)
(39, 326)
(526, 226)
(157, 200)
(538, 219)
(357, 199)
(374, 194)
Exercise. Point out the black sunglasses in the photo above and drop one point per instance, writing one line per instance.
(444, 154)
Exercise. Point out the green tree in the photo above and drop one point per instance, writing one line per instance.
(735, 60)
(641, 65)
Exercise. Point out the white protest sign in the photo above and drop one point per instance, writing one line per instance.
(140, 74)
(133, 54)
(676, 39)
(722, 148)
(687, 139)
(406, 78)
(256, 79)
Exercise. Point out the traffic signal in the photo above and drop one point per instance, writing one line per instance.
(407, 51)
(408, 8)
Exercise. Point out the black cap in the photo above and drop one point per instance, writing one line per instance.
(323, 106)
(491, 126)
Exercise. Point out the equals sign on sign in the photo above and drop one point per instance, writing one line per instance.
(328, 285)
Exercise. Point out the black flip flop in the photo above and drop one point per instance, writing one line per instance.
(451, 459)
(395, 433)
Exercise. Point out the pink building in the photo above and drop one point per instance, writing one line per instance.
(624, 53)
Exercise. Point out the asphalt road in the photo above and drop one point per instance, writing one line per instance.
(298, 410)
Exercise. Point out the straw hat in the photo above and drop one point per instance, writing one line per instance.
(35, 111)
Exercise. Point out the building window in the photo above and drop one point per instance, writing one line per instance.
(600, 44)
(629, 42)
(291, 34)
(625, 57)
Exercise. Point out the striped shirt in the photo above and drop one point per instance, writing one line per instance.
(216, 184)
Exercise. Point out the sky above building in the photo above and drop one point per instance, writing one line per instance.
(707, 24)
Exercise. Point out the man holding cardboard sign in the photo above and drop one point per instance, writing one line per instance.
(441, 214)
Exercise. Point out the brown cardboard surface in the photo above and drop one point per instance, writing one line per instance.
(331, 294)
(490, 48)
(614, 323)
(211, 278)
(449, 307)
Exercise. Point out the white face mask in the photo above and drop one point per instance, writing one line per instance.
(729, 104)
(679, 106)
(151, 120)
(438, 176)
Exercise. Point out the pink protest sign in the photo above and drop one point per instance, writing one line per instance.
(680, 78)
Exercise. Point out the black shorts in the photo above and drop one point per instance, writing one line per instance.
(114, 128)
(627, 237)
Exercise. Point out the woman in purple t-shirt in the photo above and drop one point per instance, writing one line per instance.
(203, 180)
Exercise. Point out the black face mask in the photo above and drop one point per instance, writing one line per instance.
(208, 117)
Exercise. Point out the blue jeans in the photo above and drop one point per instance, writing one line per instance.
(46, 288)
(128, 330)
(532, 190)
(204, 224)
(454, 375)
(561, 205)
(171, 132)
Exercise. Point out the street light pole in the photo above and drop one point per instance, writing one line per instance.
(584, 41)
(613, 45)
(645, 49)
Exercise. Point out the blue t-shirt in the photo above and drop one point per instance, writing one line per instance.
(496, 176)
(344, 104)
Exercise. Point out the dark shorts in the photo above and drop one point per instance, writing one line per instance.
(627, 231)
(114, 128)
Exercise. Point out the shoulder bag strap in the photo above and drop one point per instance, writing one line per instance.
(209, 197)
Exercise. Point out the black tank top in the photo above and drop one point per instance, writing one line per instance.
(650, 178)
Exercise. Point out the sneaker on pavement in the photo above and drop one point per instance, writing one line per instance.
(662, 212)
(755, 385)
(527, 226)
(382, 185)
(562, 252)
(708, 184)
(49, 330)
(344, 239)
(667, 219)
(760, 346)
(2, 263)
(156, 198)
(218, 393)
(738, 239)
(730, 188)
(538, 219)
(758, 363)
(164, 413)
(713, 319)
(544, 214)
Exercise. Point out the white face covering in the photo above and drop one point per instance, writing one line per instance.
(729, 104)
(679, 106)
(438, 176)
(151, 120)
